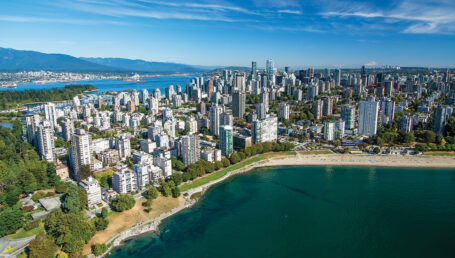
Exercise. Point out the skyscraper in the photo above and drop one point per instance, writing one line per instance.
(254, 70)
(31, 123)
(226, 140)
(368, 117)
(123, 145)
(348, 115)
(190, 149)
(327, 106)
(337, 77)
(50, 114)
(81, 151)
(264, 130)
(439, 120)
(329, 130)
(45, 136)
(261, 111)
(283, 111)
(238, 104)
(317, 109)
(215, 112)
(270, 67)
(67, 129)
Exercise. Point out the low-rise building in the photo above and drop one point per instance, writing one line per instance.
(93, 190)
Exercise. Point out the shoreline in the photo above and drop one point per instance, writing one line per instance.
(363, 160)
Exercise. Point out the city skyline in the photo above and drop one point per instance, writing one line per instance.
(292, 33)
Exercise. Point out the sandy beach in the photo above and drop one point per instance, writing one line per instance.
(423, 161)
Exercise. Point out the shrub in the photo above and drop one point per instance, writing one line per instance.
(99, 249)
(31, 225)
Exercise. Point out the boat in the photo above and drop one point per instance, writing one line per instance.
(8, 85)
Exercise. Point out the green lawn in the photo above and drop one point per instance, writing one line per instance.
(218, 174)
(315, 152)
(439, 153)
(23, 234)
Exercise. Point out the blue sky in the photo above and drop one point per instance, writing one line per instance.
(294, 33)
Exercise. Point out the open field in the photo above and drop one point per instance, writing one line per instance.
(119, 221)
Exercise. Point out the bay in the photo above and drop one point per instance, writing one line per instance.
(150, 84)
(313, 212)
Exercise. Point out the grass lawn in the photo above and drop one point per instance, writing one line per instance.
(440, 153)
(22, 233)
(315, 152)
(218, 174)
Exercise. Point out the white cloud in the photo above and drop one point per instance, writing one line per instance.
(371, 63)
(290, 11)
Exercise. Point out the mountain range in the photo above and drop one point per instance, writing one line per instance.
(15, 60)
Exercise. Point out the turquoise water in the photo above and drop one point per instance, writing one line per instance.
(313, 212)
(150, 84)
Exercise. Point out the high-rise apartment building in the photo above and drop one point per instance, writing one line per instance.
(238, 104)
(50, 114)
(215, 112)
(67, 129)
(265, 130)
(368, 117)
(190, 149)
(283, 111)
(226, 142)
(93, 190)
(45, 136)
(81, 151)
(348, 115)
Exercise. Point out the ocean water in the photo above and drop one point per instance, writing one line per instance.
(313, 212)
(115, 85)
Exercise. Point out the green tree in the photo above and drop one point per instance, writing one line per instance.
(85, 172)
(100, 223)
(99, 249)
(376, 150)
(235, 158)
(151, 193)
(104, 212)
(123, 202)
(175, 192)
(177, 164)
(11, 219)
(429, 136)
(42, 247)
(71, 201)
(226, 162)
(62, 255)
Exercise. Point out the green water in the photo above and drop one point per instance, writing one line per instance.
(313, 212)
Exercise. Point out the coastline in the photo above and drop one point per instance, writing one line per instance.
(301, 159)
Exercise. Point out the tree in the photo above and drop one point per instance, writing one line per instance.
(62, 255)
(226, 162)
(123, 202)
(42, 247)
(11, 219)
(61, 188)
(99, 249)
(218, 165)
(177, 164)
(85, 172)
(104, 212)
(235, 158)
(100, 223)
(151, 193)
(177, 178)
(71, 200)
(429, 136)
(69, 230)
(166, 190)
(175, 192)
(376, 150)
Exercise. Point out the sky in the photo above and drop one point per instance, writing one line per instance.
(314, 33)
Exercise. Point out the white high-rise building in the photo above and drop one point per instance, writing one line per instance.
(261, 111)
(368, 117)
(67, 129)
(283, 111)
(145, 96)
(265, 130)
(81, 151)
(190, 149)
(45, 136)
(124, 181)
(153, 106)
(93, 190)
(31, 123)
(50, 114)
(123, 145)
(215, 112)
(329, 130)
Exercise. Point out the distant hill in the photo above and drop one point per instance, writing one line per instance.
(11, 59)
(145, 66)
(233, 68)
